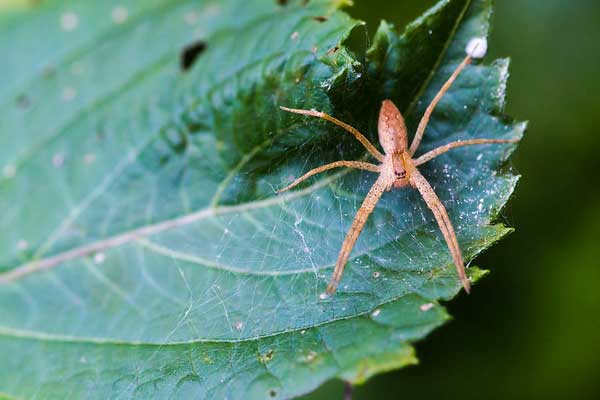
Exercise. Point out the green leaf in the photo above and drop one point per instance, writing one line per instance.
(143, 251)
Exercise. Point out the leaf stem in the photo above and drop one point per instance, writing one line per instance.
(348, 390)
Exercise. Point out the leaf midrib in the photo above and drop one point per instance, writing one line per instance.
(149, 230)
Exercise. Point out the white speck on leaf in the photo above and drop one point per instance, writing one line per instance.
(190, 17)
(311, 356)
(295, 35)
(376, 274)
(376, 312)
(22, 245)
(426, 307)
(9, 171)
(99, 258)
(119, 14)
(323, 296)
(69, 93)
(89, 158)
(239, 325)
(58, 160)
(69, 21)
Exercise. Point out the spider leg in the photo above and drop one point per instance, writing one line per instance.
(430, 155)
(441, 216)
(359, 136)
(348, 164)
(425, 119)
(358, 224)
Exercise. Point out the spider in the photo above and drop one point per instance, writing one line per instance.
(398, 168)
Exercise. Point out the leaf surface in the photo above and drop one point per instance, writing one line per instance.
(143, 251)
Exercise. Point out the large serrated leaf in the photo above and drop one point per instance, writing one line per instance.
(144, 253)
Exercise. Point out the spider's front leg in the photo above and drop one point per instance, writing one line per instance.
(430, 155)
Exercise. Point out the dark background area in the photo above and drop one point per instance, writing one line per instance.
(531, 329)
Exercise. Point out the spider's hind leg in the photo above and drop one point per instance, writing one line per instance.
(427, 115)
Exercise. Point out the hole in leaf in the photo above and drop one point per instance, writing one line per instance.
(273, 393)
(190, 54)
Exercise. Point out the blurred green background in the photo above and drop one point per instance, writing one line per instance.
(531, 329)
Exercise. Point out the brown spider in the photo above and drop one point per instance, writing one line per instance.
(398, 168)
